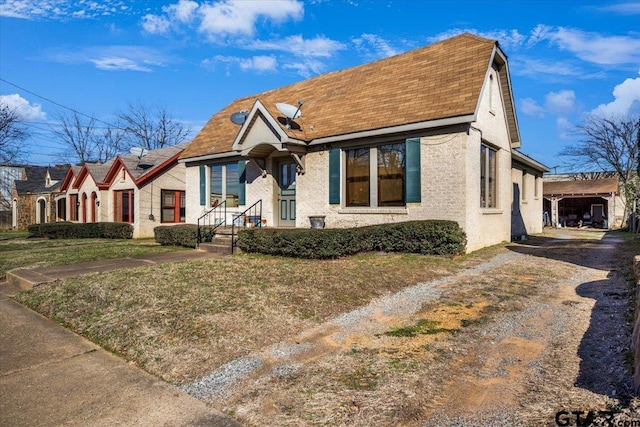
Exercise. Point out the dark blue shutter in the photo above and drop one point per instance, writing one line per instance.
(334, 176)
(203, 185)
(413, 175)
(242, 191)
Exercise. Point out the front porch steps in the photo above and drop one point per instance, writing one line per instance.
(220, 243)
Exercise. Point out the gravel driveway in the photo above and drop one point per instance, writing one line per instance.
(539, 336)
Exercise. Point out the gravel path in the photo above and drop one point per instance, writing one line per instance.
(561, 351)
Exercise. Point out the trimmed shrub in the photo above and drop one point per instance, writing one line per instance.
(70, 230)
(177, 235)
(423, 237)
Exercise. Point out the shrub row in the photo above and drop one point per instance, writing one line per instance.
(70, 230)
(431, 237)
(177, 235)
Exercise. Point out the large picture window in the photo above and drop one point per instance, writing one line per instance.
(387, 176)
(225, 184)
(488, 171)
(124, 206)
(173, 206)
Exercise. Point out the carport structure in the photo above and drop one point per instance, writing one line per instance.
(586, 202)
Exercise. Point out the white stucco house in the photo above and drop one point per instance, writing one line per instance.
(428, 134)
(144, 191)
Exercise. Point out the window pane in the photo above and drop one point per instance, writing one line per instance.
(233, 184)
(492, 179)
(216, 185)
(125, 207)
(391, 175)
(488, 177)
(357, 177)
(483, 173)
(168, 199)
(183, 204)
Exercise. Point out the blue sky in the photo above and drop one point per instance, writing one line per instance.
(567, 59)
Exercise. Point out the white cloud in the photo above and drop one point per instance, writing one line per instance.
(626, 102)
(374, 46)
(530, 107)
(112, 58)
(154, 24)
(235, 18)
(565, 128)
(508, 39)
(632, 8)
(259, 63)
(562, 102)
(297, 45)
(306, 68)
(589, 46)
(61, 9)
(184, 10)
(118, 64)
(556, 69)
(22, 107)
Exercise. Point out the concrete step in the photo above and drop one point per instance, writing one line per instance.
(218, 246)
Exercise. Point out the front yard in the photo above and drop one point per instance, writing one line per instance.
(183, 321)
(18, 251)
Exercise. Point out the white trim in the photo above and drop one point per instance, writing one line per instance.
(396, 129)
(39, 210)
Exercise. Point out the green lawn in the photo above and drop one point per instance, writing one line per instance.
(16, 251)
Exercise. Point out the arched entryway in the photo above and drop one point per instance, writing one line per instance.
(83, 207)
(14, 217)
(41, 211)
(94, 206)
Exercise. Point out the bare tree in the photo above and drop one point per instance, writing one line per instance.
(608, 144)
(108, 144)
(77, 133)
(12, 133)
(611, 144)
(151, 129)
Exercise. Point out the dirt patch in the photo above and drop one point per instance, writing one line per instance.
(508, 336)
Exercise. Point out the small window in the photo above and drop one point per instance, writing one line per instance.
(173, 206)
(488, 175)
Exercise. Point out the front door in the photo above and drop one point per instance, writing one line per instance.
(286, 208)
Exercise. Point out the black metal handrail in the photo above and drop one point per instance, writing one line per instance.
(252, 216)
(217, 215)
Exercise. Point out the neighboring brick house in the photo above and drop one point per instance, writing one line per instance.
(428, 134)
(144, 191)
(34, 195)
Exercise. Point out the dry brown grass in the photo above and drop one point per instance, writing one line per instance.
(181, 321)
(185, 320)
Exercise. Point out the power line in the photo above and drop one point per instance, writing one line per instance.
(57, 103)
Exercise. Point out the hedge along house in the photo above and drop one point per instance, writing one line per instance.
(429, 134)
(145, 191)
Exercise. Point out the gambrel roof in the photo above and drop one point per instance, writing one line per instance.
(433, 83)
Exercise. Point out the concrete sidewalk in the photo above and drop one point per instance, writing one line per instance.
(27, 278)
(50, 376)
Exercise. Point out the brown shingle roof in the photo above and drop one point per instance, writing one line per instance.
(580, 187)
(438, 81)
